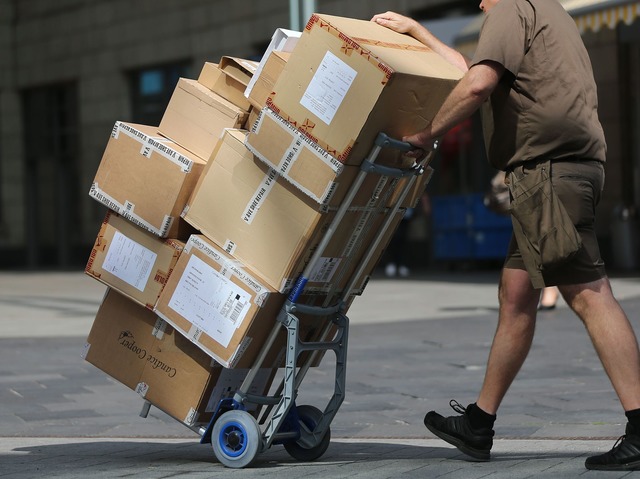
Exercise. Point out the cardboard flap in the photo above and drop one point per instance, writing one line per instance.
(282, 40)
(209, 97)
(238, 68)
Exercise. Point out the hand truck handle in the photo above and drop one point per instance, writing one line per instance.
(390, 171)
(385, 141)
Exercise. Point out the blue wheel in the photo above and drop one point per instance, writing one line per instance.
(236, 439)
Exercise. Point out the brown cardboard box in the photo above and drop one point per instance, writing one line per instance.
(132, 260)
(274, 228)
(229, 79)
(196, 116)
(263, 85)
(227, 87)
(216, 302)
(310, 168)
(348, 79)
(146, 178)
(134, 346)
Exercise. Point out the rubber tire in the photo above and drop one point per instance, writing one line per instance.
(310, 416)
(237, 426)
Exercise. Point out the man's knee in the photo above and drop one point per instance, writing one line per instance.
(516, 293)
(582, 298)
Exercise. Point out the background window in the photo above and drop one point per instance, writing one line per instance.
(152, 88)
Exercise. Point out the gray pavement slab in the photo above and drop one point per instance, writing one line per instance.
(155, 458)
(414, 345)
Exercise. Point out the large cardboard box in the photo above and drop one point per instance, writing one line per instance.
(229, 79)
(196, 116)
(267, 77)
(132, 260)
(134, 346)
(347, 80)
(263, 221)
(219, 304)
(310, 168)
(147, 179)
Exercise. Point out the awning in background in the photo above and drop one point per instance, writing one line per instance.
(588, 14)
(595, 14)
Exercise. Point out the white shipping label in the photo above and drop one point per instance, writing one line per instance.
(210, 301)
(129, 261)
(324, 269)
(328, 87)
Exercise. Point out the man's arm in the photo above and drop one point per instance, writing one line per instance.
(402, 24)
(467, 96)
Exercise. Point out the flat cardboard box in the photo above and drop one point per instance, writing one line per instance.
(147, 179)
(132, 260)
(349, 79)
(134, 346)
(229, 79)
(218, 304)
(282, 40)
(269, 74)
(196, 116)
(274, 228)
(311, 169)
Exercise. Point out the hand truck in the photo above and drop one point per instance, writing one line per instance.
(304, 431)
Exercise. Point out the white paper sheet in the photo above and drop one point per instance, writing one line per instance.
(210, 301)
(129, 261)
(328, 87)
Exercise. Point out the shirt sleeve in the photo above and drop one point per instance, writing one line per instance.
(503, 36)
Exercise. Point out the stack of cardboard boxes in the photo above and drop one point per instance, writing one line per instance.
(214, 214)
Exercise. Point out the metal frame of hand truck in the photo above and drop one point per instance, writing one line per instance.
(235, 434)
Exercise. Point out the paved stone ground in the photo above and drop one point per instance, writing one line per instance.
(414, 345)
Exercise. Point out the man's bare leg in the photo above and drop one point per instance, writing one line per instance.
(513, 337)
(611, 334)
(472, 431)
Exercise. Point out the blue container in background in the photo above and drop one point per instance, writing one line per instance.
(464, 229)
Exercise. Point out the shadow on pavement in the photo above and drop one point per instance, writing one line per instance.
(142, 458)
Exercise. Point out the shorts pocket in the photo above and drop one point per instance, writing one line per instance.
(545, 225)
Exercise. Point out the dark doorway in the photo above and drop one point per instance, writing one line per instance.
(51, 189)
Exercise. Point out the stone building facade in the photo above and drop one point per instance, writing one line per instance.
(69, 69)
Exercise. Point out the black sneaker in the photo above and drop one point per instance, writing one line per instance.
(457, 430)
(625, 455)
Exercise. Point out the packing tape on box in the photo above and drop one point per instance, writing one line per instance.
(191, 417)
(134, 133)
(242, 347)
(354, 45)
(127, 211)
(159, 328)
(150, 145)
(259, 197)
(300, 144)
(170, 154)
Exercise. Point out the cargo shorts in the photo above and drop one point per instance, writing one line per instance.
(578, 184)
